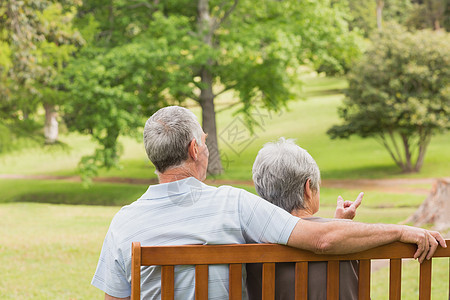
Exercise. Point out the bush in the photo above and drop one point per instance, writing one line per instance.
(399, 94)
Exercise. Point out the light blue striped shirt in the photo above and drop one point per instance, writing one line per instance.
(186, 212)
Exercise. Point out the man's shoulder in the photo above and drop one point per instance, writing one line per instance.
(238, 193)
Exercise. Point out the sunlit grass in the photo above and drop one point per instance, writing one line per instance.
(50, 251)
(410, 280)
(31, 233)
(305, 120)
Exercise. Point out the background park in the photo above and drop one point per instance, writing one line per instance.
(362, 85)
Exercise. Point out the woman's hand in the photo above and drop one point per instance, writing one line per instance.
(347, 209)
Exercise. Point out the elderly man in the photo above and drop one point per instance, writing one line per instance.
(182, 210)
(287, 176)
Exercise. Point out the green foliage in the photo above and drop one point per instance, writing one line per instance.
(307, 121)
(133, 66)
(36, 41)
(363, 15)
(431, 14)
(401, 86)
(327, 40)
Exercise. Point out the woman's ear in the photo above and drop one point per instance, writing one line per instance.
(308, 193)
(193, 149)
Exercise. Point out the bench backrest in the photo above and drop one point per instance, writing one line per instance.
(268, 254)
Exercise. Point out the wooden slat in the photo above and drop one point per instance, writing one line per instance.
(269, 253)
(448, 276)
(201, 282)
(167, 283)
(425, 280)
(235, 282)
(364, 280)
(301, 280)
(268, 281)
(333, 280)
(260, 253)
(136, 271)
(395, 279)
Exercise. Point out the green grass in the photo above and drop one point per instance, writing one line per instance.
(63, 192)
(30, 232)
(305, 120)
(50, 251)
(410, 280)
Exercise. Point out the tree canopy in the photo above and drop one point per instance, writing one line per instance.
(399, 94)
(170, 52)
(37, 38)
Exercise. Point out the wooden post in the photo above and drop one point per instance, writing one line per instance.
(201, 282)
(364, 279)
(333, 280)
(425, 280)
(395, 279)
(235, 282)
(136, 271)
(268, 281)
(301, 280)
(167, 283)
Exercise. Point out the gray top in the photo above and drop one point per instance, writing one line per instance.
(317, 278)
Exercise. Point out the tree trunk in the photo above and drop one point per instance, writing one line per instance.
(436, 12)
(51, 124)
(205, 27)
(209, 127)
(422, 149)
(408, 165)
(380, 5)
(436, 207)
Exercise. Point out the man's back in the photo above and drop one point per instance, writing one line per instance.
(185, 212)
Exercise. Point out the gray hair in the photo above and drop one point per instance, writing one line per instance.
(167, 134)
(280, 172)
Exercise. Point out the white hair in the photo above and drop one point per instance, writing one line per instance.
(280, 172)
(167, 134)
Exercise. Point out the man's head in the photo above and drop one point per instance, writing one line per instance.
(171, 135)
(281, 173)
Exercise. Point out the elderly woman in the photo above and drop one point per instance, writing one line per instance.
(287, 176)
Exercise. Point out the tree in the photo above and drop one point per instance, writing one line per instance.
(399, 94)
(39, 39)
(173, 51)
(433, 14)
(367, 15)
(380, 6)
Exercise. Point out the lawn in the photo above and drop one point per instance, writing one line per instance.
(50, 251)
(51, 231)
(304, 120)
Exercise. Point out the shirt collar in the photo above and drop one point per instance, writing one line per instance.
(173, 188)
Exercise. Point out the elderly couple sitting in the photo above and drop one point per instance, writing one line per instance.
(182, 210)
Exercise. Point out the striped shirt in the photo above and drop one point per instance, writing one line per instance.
(186, 212)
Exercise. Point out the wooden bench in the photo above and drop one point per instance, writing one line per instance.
(235, 255)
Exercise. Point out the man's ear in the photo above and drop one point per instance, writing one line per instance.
(193, 149)
(308, 193)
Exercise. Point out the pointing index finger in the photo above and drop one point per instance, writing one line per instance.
(358, 200)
